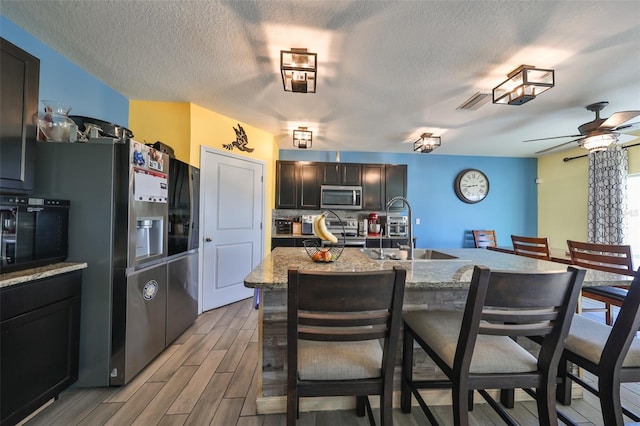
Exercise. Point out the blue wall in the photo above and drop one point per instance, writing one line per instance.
(510, 208)
(63, 81)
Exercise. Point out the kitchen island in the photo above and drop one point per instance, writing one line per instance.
(431, 284)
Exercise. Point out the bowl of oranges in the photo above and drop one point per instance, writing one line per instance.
(322, 254)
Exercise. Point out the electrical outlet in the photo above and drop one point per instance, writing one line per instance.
(417, 221)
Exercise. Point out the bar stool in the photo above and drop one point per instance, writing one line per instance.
(475, 349)
(335, 322)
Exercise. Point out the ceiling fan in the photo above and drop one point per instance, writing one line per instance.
(599, 134)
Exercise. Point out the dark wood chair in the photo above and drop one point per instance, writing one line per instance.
(610, 353)
(336, 322)
(534, 247)
(484, 238)
(608, 258)
(475, 348)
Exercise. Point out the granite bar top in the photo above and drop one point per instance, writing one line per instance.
(271, 273)
(18, 277)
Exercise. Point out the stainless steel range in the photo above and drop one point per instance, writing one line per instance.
(347, 229)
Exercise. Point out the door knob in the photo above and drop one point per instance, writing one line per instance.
(208, 239)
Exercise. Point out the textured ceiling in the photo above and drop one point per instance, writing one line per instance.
(388, 70)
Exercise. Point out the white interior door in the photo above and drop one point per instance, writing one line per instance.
(232, 234)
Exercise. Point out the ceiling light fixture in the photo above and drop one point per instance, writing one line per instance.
(302, 138)
(298, 69)
(523, 84)
(427, 143)
(598, 142)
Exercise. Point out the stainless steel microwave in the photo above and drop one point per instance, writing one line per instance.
(341, 197)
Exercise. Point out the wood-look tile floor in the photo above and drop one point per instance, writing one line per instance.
(208, 377)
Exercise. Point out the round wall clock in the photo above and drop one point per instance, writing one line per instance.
(471, 186)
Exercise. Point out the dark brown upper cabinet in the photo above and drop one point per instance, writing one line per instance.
(19, 85)
(342, 174)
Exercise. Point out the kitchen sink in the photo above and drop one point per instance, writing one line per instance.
(418, 254)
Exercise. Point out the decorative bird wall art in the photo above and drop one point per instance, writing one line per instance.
(241, 141)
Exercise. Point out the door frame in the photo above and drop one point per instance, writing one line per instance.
(209, 150)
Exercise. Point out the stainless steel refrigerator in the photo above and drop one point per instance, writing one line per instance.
(118, 224)
(183, 244)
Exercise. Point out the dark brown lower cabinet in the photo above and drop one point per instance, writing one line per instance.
(39, 343)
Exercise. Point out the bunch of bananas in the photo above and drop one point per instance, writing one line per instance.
(320, 228)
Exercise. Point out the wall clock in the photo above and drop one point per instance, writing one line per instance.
(471, 186)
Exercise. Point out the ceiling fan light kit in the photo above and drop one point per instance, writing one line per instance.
(302, 138)
(298, 69)
(598, 142)
(523, 84)
(426, 143)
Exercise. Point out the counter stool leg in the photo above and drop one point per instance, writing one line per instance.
(407, 370)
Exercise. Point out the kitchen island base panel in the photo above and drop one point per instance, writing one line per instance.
(441, 284)
(272, 386)
(433, 397)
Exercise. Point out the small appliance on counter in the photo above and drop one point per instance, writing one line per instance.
(375, 227)
(307, 224)
(283, 226)
(397, 226)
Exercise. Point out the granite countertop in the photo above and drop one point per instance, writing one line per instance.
(18, 277)
(428, 274)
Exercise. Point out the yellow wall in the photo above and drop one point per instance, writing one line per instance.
(563, 192)
(186, 127)
(167, 122)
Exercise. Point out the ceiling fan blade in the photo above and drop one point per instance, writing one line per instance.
(628, 127)
(556, 137)
(618, 118)
(557, 146)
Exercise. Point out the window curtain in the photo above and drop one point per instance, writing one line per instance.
(607, 196)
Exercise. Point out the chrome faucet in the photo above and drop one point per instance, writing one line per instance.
(389, 204)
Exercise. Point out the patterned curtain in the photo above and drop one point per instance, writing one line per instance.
(608, 196)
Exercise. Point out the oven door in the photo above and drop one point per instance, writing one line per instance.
(39, 237)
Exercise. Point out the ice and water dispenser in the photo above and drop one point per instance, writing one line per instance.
(149, 237)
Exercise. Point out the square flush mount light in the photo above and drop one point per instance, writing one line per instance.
(298, 69)
(427, 143)
(302, 138)
(523, 84)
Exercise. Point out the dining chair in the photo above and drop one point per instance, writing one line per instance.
(484, 238)
(343, 333)
(611, 353)
(603, 257)
(534, 247)
(475, 349)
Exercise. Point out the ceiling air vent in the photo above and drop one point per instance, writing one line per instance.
(476, 101)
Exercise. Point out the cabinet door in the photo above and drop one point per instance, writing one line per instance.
(331, 174)
(341, 174)
(19, 85)
(286, 185)
(309, 186)
(351, 174)
(373, 186)
(39, 343)
(396, 185)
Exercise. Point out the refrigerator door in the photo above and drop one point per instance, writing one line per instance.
(144, 337)
(182, 297)
(184, 192)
